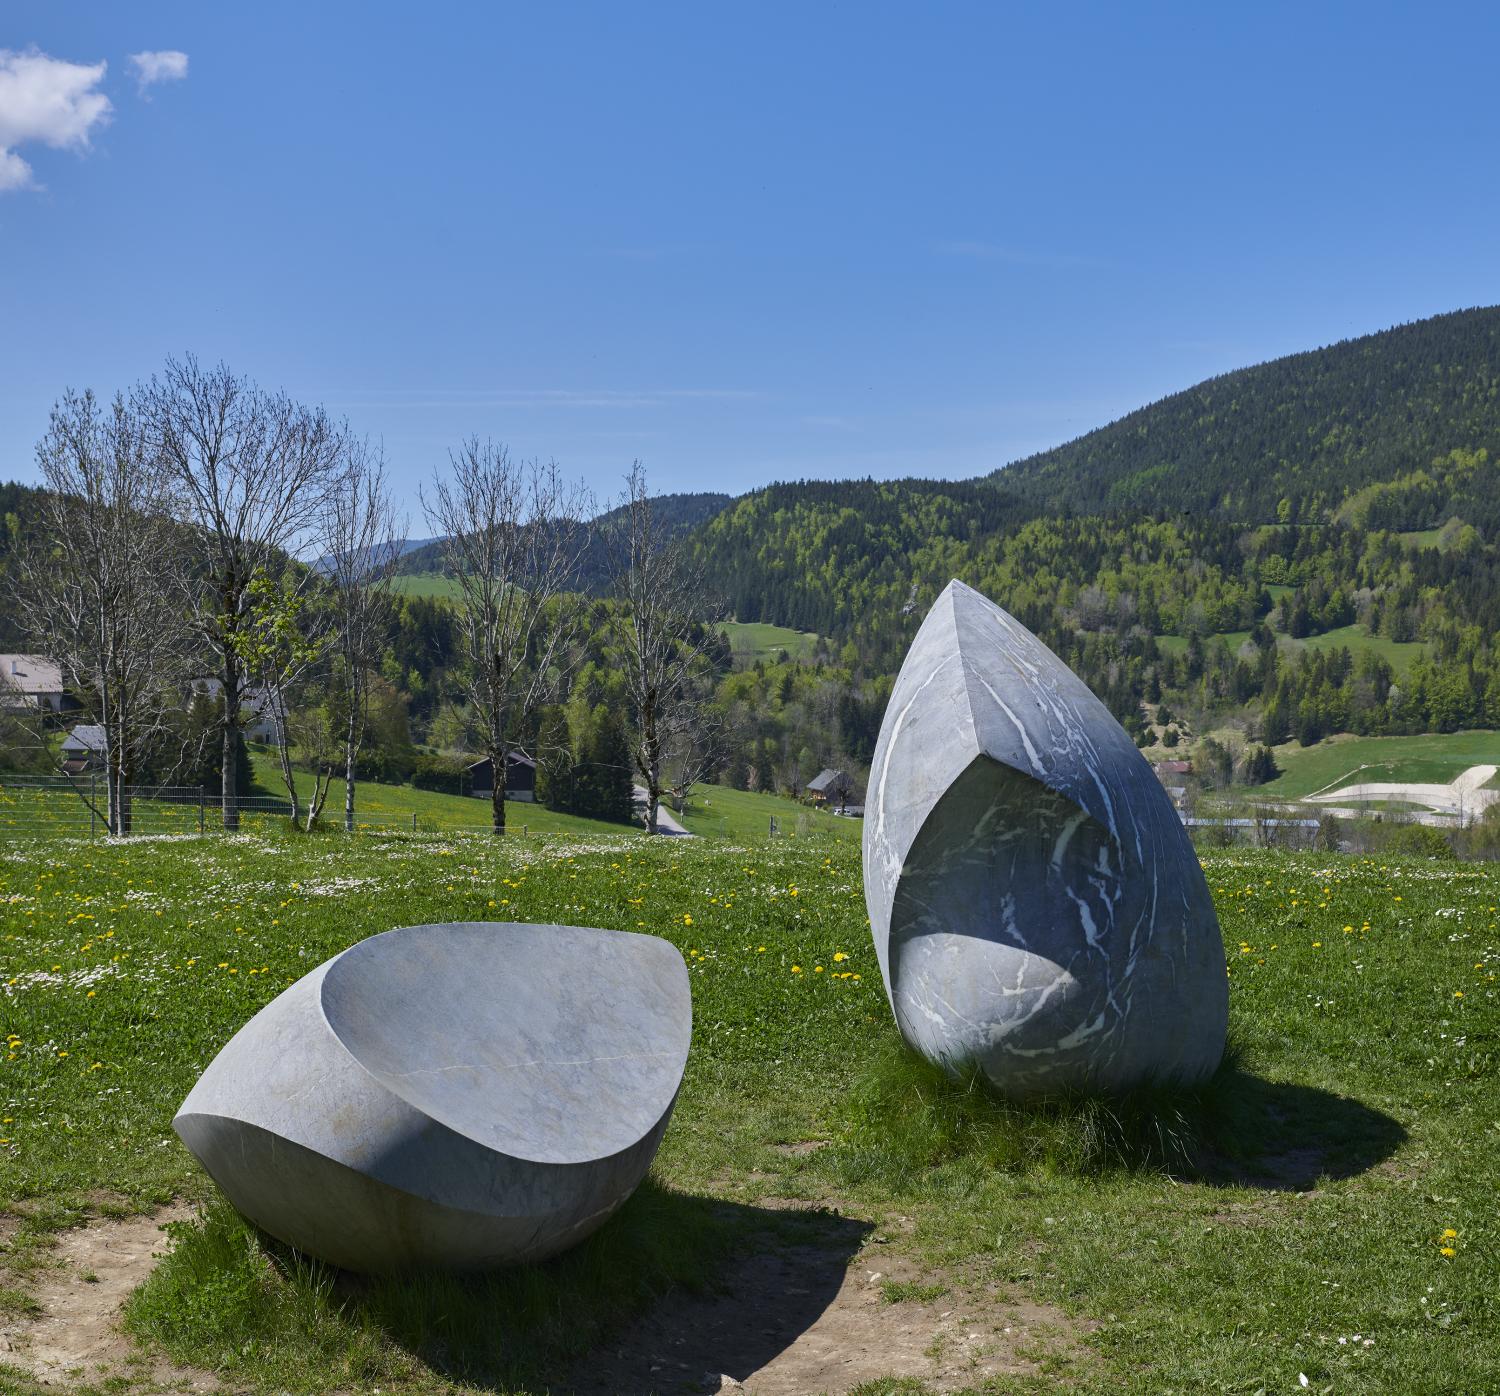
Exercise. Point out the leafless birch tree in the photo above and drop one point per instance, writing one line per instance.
(362, 545)
(250, 470)
(91, 591)
(669, 625)
(513, 532)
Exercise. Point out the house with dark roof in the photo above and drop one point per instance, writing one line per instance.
(834, 789)
(84, 748)
(520, 778)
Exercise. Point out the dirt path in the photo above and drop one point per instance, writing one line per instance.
(75, 1335)
(801, 1320)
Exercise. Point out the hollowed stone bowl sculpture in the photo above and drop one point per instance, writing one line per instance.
(1037, 909)
(456, 1096)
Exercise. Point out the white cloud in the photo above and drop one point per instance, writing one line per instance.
(159, 65)
(48, 100)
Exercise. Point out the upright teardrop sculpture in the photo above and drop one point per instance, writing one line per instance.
(1037, 908)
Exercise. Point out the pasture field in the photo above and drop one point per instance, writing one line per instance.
(1354, 638)
(1324, 1213)
(392, 806)
(722, 812)
(1430, 757)
(427, 585)
(762, 640)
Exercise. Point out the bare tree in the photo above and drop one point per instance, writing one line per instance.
(695, 740)
(513, 533)
(362, 546)
(669, 626)
(90, 589)
(250, 471)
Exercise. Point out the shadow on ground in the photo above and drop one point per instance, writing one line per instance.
(1285, 1138)
(592, 1321)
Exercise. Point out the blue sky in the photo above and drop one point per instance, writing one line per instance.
(741, 243)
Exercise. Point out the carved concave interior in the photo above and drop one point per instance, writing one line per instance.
(556, 1044)
(1002, 917)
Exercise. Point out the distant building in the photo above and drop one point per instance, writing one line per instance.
(27, 681)
(1174, 768)
(84, 748)
(830, 787)
(255, 704)
(520, 778)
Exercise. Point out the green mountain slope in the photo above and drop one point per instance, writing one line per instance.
(1288, 441)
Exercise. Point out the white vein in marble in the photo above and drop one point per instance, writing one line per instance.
(1036, 906)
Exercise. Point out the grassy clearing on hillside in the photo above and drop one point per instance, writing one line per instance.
(1339, 1221)
(1429, 758)
(762, 640)
(1399, 654)
(426, 585)
(717, 811)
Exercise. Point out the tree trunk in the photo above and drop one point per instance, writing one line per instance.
(651, 765)
(351, 745)
(497, 792)
(229, 773)
(284, 756)
(126, 812)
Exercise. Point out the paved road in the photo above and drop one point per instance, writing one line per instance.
(666, 821)
(1462, 798)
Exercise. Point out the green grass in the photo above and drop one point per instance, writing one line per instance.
(1429, 758)
(1422, 538)
(1354, 638)
(716, 811)
(426, 585)
(763, 641)
(1354, 1127)
(392, 806)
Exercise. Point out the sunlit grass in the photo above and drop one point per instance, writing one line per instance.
(1218, 1240)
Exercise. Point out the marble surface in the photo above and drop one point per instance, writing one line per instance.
(1036, 906)
(456, 1096)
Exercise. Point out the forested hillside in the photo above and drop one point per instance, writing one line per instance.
(1288, 441)
(1299, 549)
(678, 513)
(1349, 492)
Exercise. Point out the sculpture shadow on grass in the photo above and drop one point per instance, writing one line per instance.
(590, 1322)
(1283, 1137)
(672, 1286)
(908, 1117)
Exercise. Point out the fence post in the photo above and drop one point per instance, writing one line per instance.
(414, 821)
(93, 798)
(202, 790)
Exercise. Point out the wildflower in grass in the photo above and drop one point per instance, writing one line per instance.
(796, 969)
(839, 957)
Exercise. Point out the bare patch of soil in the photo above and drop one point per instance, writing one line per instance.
(801, 1319)
(73, 1333)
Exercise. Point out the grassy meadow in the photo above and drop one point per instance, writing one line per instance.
(1354, 638)
(1427, 758)
(761, 640)
(1325, 1210)
(718, 811)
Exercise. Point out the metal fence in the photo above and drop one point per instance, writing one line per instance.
(77, 807)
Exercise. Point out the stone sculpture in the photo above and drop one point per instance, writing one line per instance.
(1037, 908)
(458, 1096)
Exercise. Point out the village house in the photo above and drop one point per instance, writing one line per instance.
(83, 749)
(30, 683)
(520, 778)
(831, 789)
